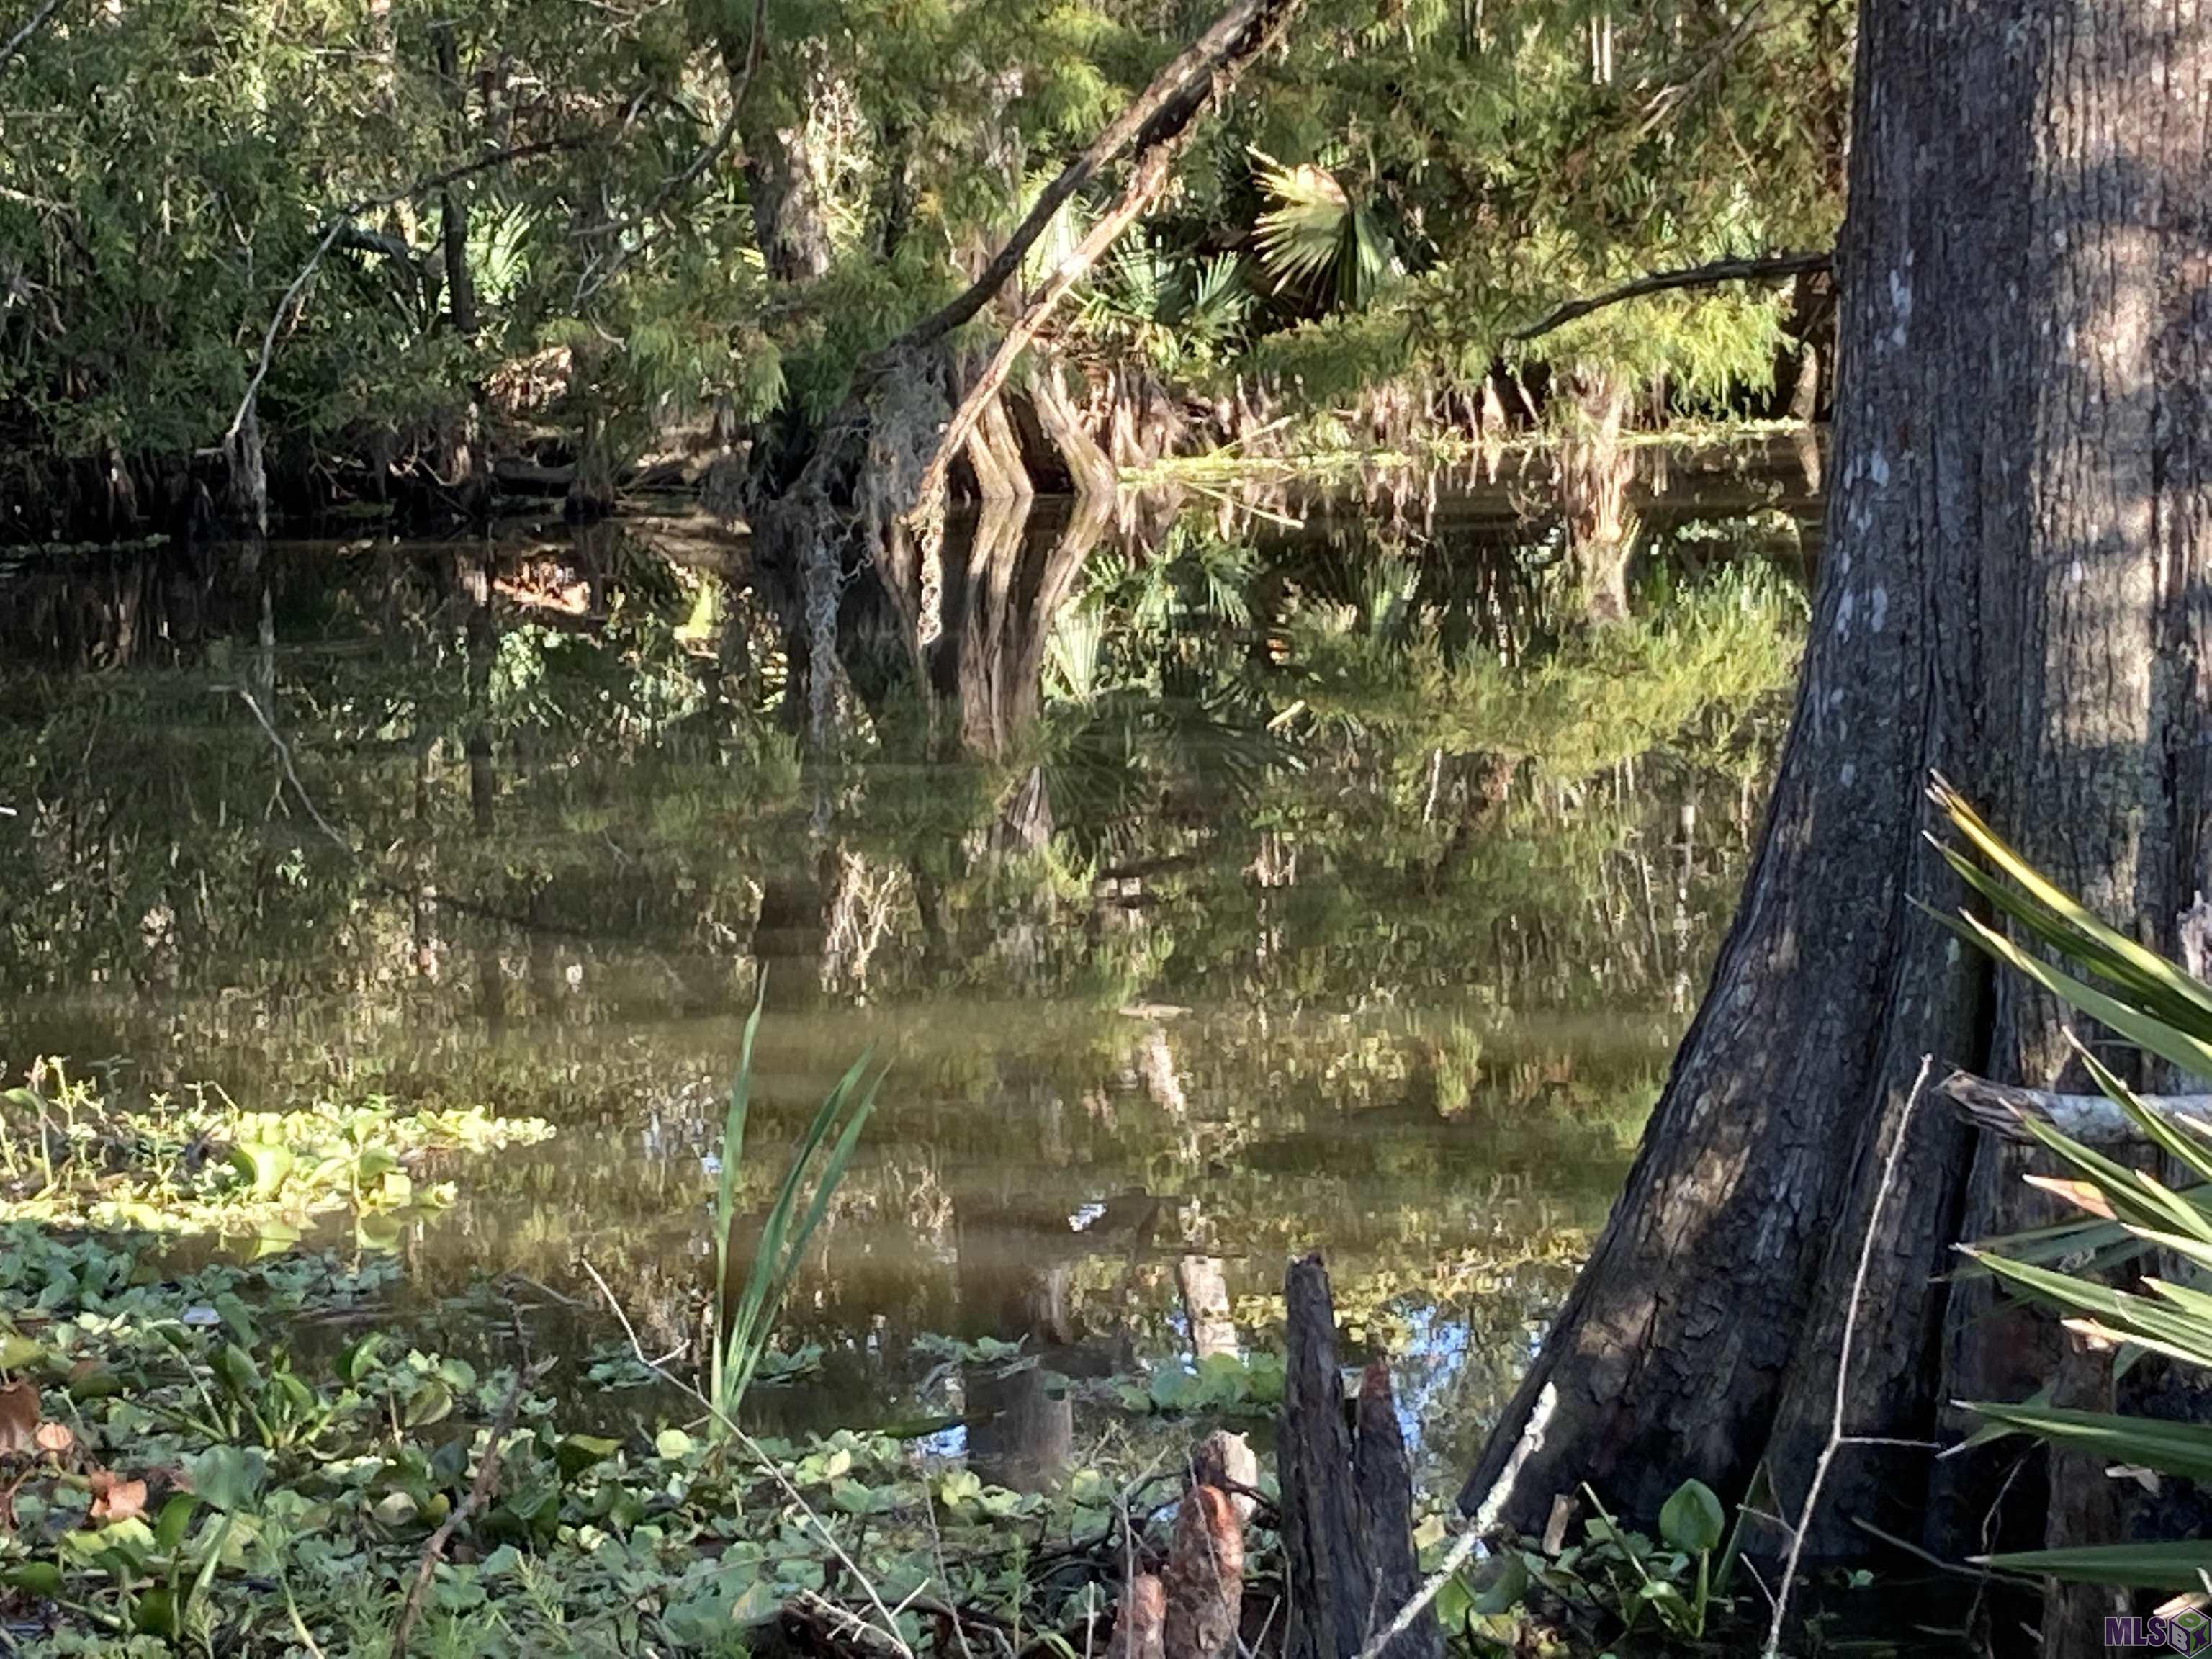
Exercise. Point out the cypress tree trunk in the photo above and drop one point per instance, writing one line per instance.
(2013, 593)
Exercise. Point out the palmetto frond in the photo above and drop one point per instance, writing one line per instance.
(2129, 1212)
(1316, 236)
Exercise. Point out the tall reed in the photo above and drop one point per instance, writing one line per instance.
(740, 1334)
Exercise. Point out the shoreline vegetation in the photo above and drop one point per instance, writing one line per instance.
(243, 1449)
(675, 491)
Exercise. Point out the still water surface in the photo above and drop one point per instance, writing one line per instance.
(1321, 875)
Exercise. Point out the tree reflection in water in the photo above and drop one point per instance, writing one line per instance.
(1332, 885)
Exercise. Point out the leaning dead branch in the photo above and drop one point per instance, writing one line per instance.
(480, 1490)
(1173, 100)
(1769, 269)
(878, 465)
(1157, 126)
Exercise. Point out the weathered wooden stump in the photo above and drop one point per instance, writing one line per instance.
(1347, 1505)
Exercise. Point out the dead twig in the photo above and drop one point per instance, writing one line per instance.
(1836, 1437)
(480, 1489)
(16, 40)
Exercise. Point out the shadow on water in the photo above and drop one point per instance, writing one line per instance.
(1270, 869)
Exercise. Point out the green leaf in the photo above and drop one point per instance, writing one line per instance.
(2076, 928)
(262, 1165)
(2160, 1443)
(238, 1371)
(155, 1612)
(1692, 1520)
(1505, 1592)
(176, 1521)
(578, 1452)
(429, 1401)
(37, 1578)
(2175, 1566)
(228, 1477)
(358, 1357)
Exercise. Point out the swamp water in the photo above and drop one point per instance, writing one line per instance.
(1272, 870)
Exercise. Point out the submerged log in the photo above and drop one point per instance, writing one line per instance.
(1347, 1496)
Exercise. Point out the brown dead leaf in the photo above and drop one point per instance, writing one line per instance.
(19, 1416)
(2081, 1194)
(53, 1439)
(116, 1500)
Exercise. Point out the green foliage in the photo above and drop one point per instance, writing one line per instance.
(744, 1322)
(72, 1155)
(1316, 236)
(1469, 168)
(198, 1482)
(1629, 1582)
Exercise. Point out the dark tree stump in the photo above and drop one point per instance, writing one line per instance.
(1347, 1496)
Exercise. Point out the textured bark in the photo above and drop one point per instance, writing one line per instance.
(2013, 593)
(1347, 1521)
(1383, 1485)
(1205, 1575)
(1089, 472)
(789, 222)
(1320, 1544)
(1140, 1626)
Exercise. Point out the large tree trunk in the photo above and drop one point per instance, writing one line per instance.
(2013, 593)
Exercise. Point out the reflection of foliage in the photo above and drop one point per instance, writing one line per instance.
(1435, 863)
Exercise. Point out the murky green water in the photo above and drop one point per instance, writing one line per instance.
(1250, 887)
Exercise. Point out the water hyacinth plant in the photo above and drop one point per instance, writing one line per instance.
(742, 1320)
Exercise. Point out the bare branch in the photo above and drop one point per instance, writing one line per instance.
(345, 217)
(15, 44)
(1767, 269)
(487, 1476)
(1837, 1437)
(741, 82)
(1236, 37)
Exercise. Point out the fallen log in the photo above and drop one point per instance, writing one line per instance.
(2003, 1109)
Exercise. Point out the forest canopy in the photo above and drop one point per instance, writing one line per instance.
(401, 249)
